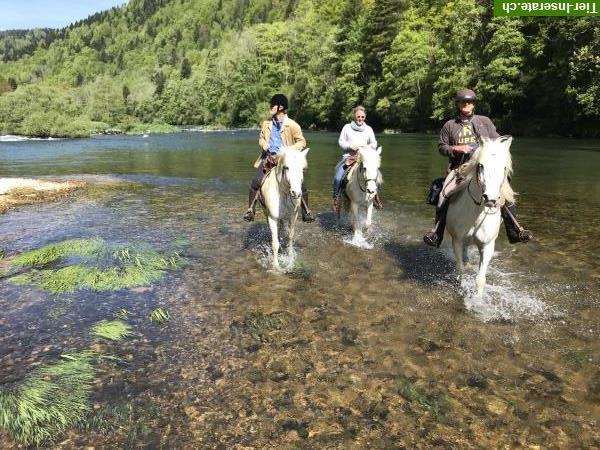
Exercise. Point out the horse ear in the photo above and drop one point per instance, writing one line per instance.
(506, 140)
(379, 150)
(305, 151)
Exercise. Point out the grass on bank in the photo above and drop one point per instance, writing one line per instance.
(48, 401)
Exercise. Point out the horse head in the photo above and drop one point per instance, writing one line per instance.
(493, 165)
(369, 163)
(290, 169)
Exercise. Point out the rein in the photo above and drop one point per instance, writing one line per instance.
(478, 203)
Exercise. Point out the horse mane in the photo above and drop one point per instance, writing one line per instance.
(290, 156)
(369, 155)
(469, 168)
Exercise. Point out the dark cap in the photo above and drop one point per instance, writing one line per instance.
(465, 94)
(280, 100)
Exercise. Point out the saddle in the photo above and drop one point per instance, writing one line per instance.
(270, 162)
(349, 166)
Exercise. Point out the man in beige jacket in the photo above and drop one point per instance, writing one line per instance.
(280, 131)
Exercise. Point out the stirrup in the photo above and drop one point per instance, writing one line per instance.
(516, 236)
(525, 235)
(249, 215)
(431, 238)
(308, 216)
(377, 203)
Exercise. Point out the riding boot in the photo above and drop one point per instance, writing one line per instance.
(377, 202)
(435, 237)
(515, 232)
(252, 197)
(307, 215)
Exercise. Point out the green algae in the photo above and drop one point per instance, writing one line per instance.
(114, 330)
(122, 314)
(160, 315)
(51, 399)
(578, 358)
(302, 270)
(53, 252)
(100, 267)
(434, 402)
(259, 325)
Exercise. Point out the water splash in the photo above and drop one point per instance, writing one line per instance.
(501, 301)
(264, 256)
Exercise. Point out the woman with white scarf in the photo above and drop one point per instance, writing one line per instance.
(356, 134)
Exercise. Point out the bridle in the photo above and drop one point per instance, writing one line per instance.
(481, 184)
(358, 177)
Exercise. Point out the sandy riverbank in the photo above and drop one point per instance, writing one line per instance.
(21, 191)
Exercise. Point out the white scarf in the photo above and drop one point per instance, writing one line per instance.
(356, 127)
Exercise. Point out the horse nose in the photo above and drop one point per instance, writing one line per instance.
(296, 194)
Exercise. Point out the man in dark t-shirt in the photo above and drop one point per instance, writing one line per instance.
(459, 138)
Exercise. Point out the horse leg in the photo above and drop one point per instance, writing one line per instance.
(465, 253)
(369, 215)
(485, 255)
(273, 225)
(356, 223)
(291, 232)
(458, 247)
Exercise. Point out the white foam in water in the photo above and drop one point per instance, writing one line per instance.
(360, 243)
(264, 255)
(501, 300)
(15, 138)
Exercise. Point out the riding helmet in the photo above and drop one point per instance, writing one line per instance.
(465, 94)
(280, 100)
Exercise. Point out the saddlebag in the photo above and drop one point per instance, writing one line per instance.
(434, 191)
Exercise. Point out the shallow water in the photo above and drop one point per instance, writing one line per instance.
(320, 356)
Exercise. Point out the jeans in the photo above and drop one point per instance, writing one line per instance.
(339, 174)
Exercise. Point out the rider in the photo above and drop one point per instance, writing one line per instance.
(459, 138)
(280, 131)
(354, 135)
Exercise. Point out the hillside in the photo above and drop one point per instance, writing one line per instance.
(216, 62)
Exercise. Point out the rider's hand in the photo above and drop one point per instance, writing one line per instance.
(265, 147)
(354, 147)
(461, 149)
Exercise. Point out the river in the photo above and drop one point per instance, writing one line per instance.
(352, 349)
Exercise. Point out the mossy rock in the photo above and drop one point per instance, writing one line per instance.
(259, 325)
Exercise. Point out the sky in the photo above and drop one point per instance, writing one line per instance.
(22, 14)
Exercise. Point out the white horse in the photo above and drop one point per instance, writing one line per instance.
(474, 212)
(281, 193)
(363, 181)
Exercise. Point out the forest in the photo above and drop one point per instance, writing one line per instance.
(156, 64)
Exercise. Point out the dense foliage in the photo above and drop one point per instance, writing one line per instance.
(216, 62)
